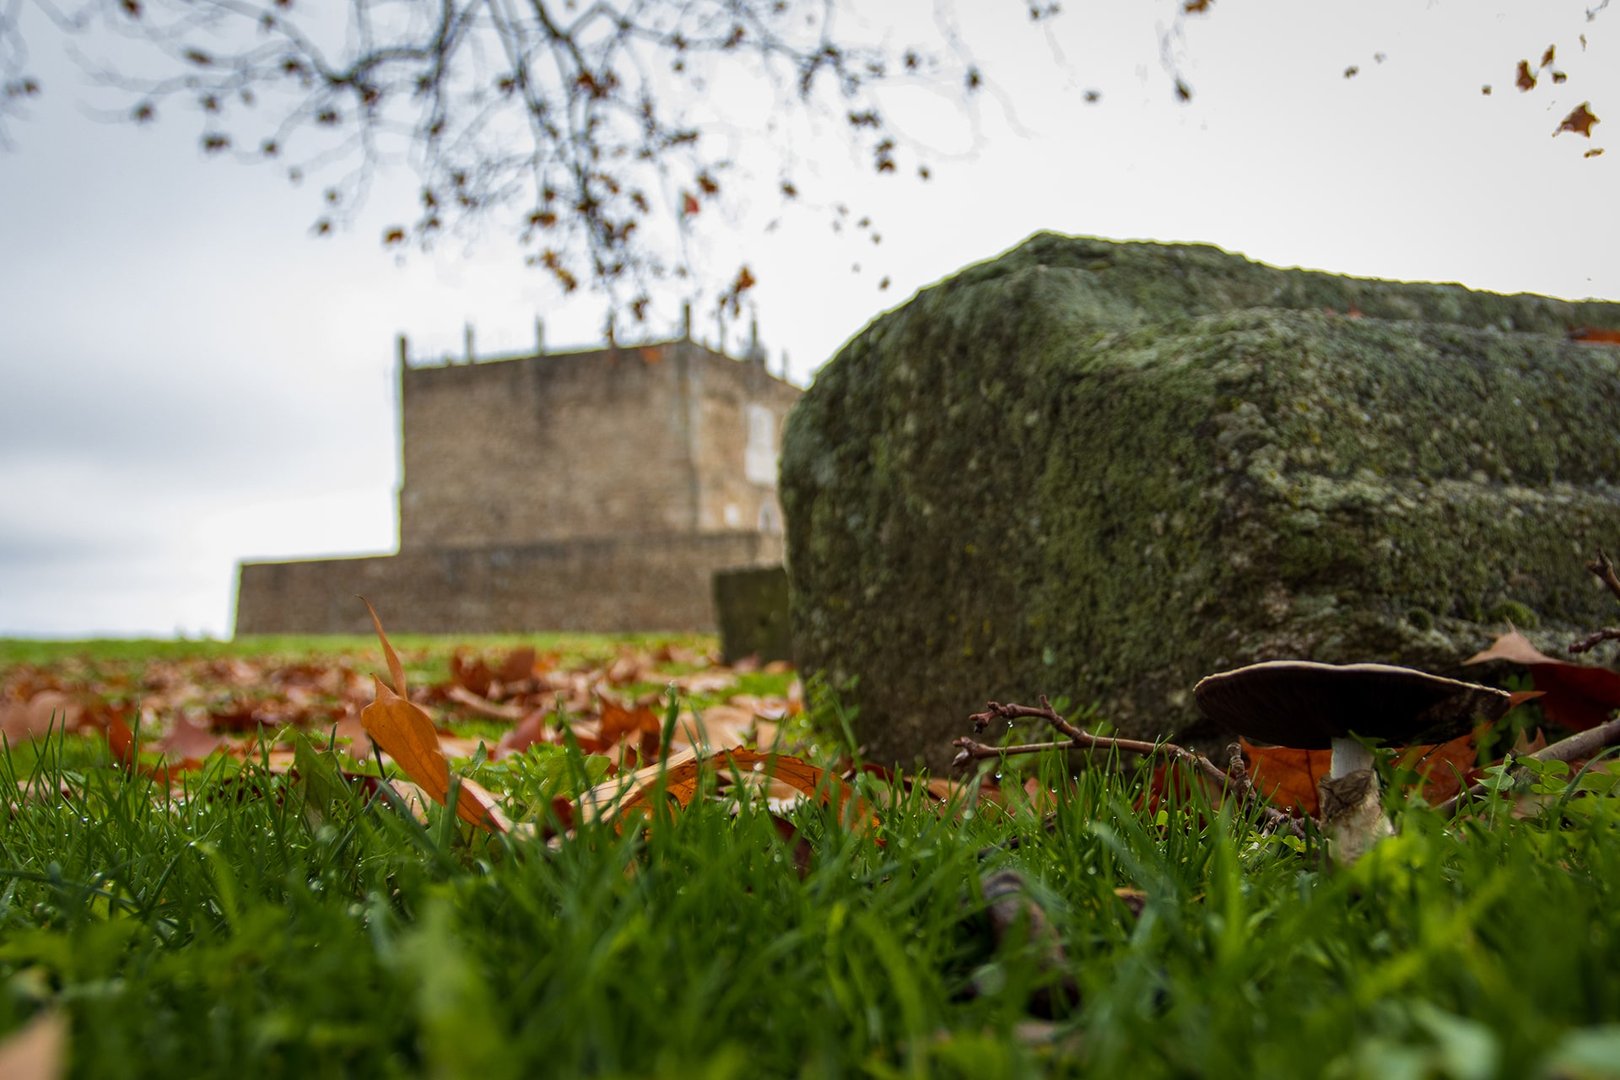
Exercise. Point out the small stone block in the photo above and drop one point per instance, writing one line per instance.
(751, 607)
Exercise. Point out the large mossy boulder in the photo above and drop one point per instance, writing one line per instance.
(1102, 470)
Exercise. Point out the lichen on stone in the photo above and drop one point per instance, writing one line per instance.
(1103, 470)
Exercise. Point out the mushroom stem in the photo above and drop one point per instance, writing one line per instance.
(1349, 755)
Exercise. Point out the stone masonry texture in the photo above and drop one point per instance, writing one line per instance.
(593, 491)
(1100, 471)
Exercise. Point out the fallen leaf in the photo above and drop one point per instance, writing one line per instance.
(1593, 335)
(1444, 769)
(472, 676)
(407, 735)
(1575, 696)
(530, 730)
(1287, 777)
(35, 1052)
(790, 835)
(48, 710)
(715, 727)
(518, 665)
(461, 695)
(1579, 120)
(641, 726)
(1525, 80)
(187, 741)
(680, 778)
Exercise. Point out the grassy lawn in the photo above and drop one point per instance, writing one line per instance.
(264, 922)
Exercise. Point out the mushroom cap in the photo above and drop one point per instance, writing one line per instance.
(1306, 705)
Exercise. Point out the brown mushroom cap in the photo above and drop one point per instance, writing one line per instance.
(1306, 705)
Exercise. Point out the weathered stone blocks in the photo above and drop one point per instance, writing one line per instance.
(751, 606)
(1103, 470)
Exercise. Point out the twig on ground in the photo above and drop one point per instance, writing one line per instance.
(1580, 745)
(1603, 569)
(1592, 641)
(1080, 739)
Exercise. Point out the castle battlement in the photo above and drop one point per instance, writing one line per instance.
(585, 490)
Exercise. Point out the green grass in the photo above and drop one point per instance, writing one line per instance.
(270, 926)
(426, 656)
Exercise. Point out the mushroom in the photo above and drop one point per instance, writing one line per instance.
(1311, 706)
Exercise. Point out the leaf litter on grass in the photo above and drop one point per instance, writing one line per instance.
(166, 718)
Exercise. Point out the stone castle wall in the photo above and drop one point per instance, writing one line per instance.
(632, 583)
(593, 490)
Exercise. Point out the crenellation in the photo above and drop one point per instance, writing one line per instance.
(666, 449)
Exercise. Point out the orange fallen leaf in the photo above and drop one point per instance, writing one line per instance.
(1287, 777)
(407, 735)
(1445, 768)
(1595, 335)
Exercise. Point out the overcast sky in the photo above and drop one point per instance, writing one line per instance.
(189, 378)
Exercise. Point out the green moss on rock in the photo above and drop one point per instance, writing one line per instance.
(1104, 470)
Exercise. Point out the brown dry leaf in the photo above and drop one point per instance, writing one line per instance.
(1595, 335)
(518, 665)
(472, 676)
(705, 682)
(36, 1052)
(1445, 768)
(48, 710)
(790, 835)
(1525, 80)
(1574, 696)
(407, 735)
(714, 727)
(604, 800)
(483, 706)
(681, 777)
(187, 741)
(1287, 777)
(530, 730)
(1579, 120)
(639, 725)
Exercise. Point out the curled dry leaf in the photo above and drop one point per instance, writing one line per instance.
(407, 735)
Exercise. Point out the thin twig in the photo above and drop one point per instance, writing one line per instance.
(1081, 739)
(1580, 745)
(1592, 641)
(1603, 569)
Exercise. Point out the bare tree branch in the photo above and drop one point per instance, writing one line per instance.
(1580, 745)
(585, 130)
